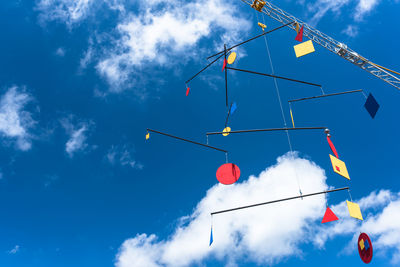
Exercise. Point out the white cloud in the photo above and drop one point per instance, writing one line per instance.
(60, 52)
(14, 250)
(165, 33)
(68, 11)
(357, 8)
(351, 31)
(15, 121)
(123, 155)
(77, 136)
(268, 233)
(71, 12)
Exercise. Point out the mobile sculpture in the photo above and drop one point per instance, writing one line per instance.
(229, 173)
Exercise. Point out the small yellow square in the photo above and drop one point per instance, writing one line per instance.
(354, 210)
(361, 243)
(304, 48)
(339, 167)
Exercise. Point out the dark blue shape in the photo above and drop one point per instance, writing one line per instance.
(233, 107)
(366, 244)
(371, 105)
(211, 237)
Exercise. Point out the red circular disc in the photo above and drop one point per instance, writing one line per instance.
(228, 173)
(365, 248)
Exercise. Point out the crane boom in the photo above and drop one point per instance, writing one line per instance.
(325, 41)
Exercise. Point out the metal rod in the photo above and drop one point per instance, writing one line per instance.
(274, 76)
(203, 69)
(227, 117)
(279, 200)
(319, 96)
(251, 39)
(270, 130)
(226, 78)
(186, 140)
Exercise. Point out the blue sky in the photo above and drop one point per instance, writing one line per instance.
(80, 81)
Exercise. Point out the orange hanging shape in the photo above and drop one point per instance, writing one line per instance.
(329, 216)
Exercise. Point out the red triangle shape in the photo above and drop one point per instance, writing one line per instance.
(223, 66)
(329, 216)
(299, 36)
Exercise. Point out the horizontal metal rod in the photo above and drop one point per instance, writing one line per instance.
(186, 140)
(251, 39)
(203, 69)
(279, 200)
(275, 76)
(319, 96)
(269, 130)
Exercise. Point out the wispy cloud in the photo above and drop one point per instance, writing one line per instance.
(15, 121)
(68, 11)
(72, 12)
(77, 135)
(14, 250)
(122, 155)
(270, 233)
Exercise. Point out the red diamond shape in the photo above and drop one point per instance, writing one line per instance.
(337, 168)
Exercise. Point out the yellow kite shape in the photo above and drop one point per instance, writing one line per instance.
(354, 210)
(304, 48)
(339, 167)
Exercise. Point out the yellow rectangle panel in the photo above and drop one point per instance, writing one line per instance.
(304, 48)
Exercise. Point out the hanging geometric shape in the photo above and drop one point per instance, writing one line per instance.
(187, 91)
(226, 131)
(304, 48)
(297, 27)
(339, 167)
(291, 115)
(211, 237)
(228, 174)
(233, 108)
(147, 136)
(224, 65)
(371, 105)
(299, 36)
(329, 216)
(263, 26)
(332, 146)
(365, 248)
(354, 210)
(232, 58)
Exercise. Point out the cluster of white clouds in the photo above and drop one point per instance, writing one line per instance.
(77, 133)
(16, 122)
(165, 33)
(270, 233)
(122, 155)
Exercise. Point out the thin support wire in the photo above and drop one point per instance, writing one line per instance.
(348, 190)
(364, 95)
(280, 102)
(226, 158)
(322, 90)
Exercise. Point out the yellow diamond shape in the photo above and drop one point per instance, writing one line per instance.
(354, 210)
(339, 167)
(361, 243)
